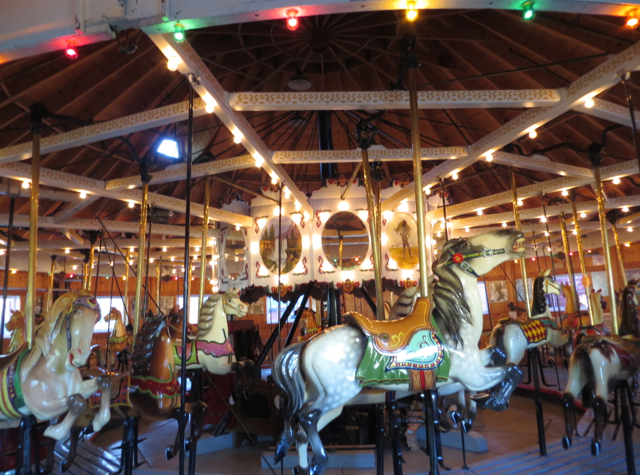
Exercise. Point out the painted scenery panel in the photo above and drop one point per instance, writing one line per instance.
(402, 239)
(291, 245)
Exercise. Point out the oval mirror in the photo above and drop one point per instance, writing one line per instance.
(285, 235)
(402, 240)
(345, 240)
(235, 253)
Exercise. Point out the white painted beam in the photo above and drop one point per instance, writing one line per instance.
(48, 222)
(107, 244)
(550, 186)
(375, 154)
(589, 85)
(211, 91)
(79, 183)
(104, 130)
(179, 172)
(608, 111)
(73, 236)
(541, 164)
(396, 100)
(74, 207)
(528, 229)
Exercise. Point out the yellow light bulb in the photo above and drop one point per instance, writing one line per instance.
(589, 103)
(533, 134)
(172, 64)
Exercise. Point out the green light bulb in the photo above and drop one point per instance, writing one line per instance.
(178, 32)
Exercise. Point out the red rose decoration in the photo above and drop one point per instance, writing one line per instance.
(458, 258)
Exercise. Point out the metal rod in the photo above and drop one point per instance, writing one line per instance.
(444, 212)
(535, 249)
(203, 247)
(583, 266)
(375, 234)
(616, 237)
(127, 255)
(605, 250)
(522, 261)
(49, 302)
(351, 180)
(7, 263)
(279, 266)
(417, 177)
(147, 294)
(86, 284)
(569, 261)
(182, 426)
(158, 283)
(30, 306)
(141, 250)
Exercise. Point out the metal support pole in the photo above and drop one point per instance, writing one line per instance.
(49, 302)
(141, 250)
(417, 176)
(523, 264)
(86, 278)
(583, 266)
(7, 263)
(616, 237)
(606, 250)
(567, 252)
(30, 307)
(127, 256)
(158, 284)
(203, 244)
(351, 180)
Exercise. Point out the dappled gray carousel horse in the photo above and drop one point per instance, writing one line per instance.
(436, 346)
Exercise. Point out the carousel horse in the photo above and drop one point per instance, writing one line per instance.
(210, 347)
(119, 339)
(514, 337)
(434, 347)
(598, 363)
(578, 323)
(308, 325)
(17, 325)
(45, 381)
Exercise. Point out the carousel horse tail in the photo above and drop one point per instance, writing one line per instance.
(287, 374)
(581, 379)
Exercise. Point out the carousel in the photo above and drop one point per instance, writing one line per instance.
(337, 237)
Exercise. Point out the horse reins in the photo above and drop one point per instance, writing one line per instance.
(461, 258)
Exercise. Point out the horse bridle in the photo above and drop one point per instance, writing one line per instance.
(461, 258)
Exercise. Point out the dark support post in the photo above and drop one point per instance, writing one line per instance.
(394, 435)
(430, 409)
(369, 300)
(627, 425)
(379, 439)
(7, 263)
(534, 360)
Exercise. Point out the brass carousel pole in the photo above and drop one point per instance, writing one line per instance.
(583, 266)
(30, 307)
(141, 251)
(616, 237)
(158, 283)
(522, 261)
(567, 254)
(86, 278)
(127, 256)
(49, 302)
(203, 244)
(605, 247)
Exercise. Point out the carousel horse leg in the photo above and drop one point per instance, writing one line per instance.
(172, 450)
(456, 417)
(438, 430)
(302, 442)
(498, 399)
(535, 365)
(626, 404)
(379, 439)
(599, 415)
(25, 445)
(309, 423)
(77, 404)
(569, 420)
(74, 436)
(198, 414)
(394, 435)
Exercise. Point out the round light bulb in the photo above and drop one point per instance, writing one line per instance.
(26, 184)
(546, 234)
(209, 107)
(172, 64)
(131, 204)
(479, 212)
(454, 175)
(543, 220)
(625, 209)
(237, 138)
(164, 249)
(565, 193)
(504, 225)
(67, 251)
(83, 195)
(583, 214)
(490, 157)
(533, 134)
(630, 229)
(589, 103)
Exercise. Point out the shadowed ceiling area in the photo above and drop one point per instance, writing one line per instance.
(457, 50)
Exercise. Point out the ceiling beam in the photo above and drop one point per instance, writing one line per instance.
(178, 172)
(133, 227)
(74, 207)
(78, 183)
(529, 191)
(208, 87)
(396, 100)
(375, 154)
(608, 111)
(527, 229)
(107, 244)
(540, 163)
(589, 85)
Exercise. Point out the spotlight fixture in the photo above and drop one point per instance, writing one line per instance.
(292, 19)
(178, 32)
(169, 148)
(412, 10)
(528, 13)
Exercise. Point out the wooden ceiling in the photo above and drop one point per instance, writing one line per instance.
(458, 50)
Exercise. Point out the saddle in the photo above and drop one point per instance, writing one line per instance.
(8, 359)
(392, 336)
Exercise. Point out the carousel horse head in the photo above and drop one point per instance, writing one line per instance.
(233, 305)
(549, 284)
(16, 322)
(114, 314)
(542, 285)
(629, 324)
(67, 329)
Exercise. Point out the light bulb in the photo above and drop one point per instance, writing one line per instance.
(286, 192)
(83, 195)
(504, 225)
(67, 251)
(565, 192)
(528, 13)
(489, 157)
(519, 202)
(589, 103)
(575, 232)
(583, 214)
(172, 258)
(74, 267)
(292, 19)
(164, 249)
(533, 134)
(259, 160)
(543, 219)
(630, 229)
(209, 108)
(626, 244)
(546, 234)
(178, 32)
(197, 248)
(151, 260)
(274, 180)
(625, 209)
(26, 184)
(479, 212)
(237, 227)
(454, 175)
(632, 19)
(237, 137)
(131, 204)
(412, 10)
(616, 181)
(466, 230)
(172, 64)
(427, 190)
(1, 252)
(124, 277)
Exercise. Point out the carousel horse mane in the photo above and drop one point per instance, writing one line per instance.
(145, 342)
(539, 305)
(450, 305)
(404, 304)
(629, 311)
(54, 318)
(205, 320)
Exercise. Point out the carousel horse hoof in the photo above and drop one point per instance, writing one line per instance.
(466, 424)
(169, 452)
(281, 453)
(65, 465)
(481, 399)
(566, 442)
(301, 471)
(595, 448)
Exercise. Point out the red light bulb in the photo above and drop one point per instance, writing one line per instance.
(292, 20)
(71, 52)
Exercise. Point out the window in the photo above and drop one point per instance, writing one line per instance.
(13, 303)
(272, 310)
(105, 307)
(483, 298)
(582, 294)
(194, 311)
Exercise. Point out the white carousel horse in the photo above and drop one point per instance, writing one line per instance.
(514, 337)
(16, 325)
(598, 363)
(45, 381)
(211, 349)
(435, 346)
(119, 339)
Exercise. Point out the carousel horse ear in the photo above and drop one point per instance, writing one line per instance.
(546, 272)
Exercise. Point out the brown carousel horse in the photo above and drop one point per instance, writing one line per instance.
(308, 325)
(598, 363)
(16, 325)
(119, 338)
